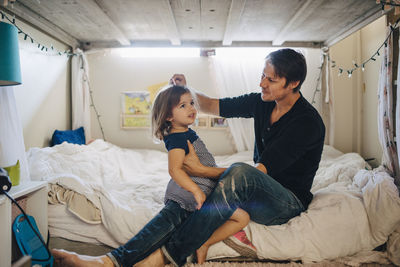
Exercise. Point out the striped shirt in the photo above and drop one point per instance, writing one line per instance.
(176, 193)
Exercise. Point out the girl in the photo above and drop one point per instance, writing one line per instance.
(172, 113)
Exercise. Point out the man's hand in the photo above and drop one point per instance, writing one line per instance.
(178, 79)
(191, 163)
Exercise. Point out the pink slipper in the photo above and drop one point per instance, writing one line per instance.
(241, 244)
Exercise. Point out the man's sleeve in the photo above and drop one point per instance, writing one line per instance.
(238, 107)
(298, 138)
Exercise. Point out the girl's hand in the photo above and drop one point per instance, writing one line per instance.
(191, 163)
(178, 79)
(200, 197)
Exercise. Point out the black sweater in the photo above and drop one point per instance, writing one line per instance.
(290, 148)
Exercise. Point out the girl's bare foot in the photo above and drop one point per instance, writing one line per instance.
(201, 254)
(71, 259)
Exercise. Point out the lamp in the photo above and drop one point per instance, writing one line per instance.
(12, 146)
(10, 71)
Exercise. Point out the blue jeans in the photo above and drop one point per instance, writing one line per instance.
(240, 186)
(152, 236)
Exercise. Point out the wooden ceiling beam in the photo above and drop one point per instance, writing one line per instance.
(118, 34)
(98, 45)
(28, 16)
(169, 20)
(301, 14)
(235, 13)
(355, 26)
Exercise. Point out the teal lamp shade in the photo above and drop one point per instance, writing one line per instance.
(10, 71)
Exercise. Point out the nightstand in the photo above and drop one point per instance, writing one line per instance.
(36, 206)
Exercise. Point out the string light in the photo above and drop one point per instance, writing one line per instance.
(388, 3)
(356, 66)
(26, 36)
(372, 58)
(60, 53)
(349, 73)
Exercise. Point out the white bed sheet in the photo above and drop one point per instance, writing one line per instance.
(62, 223)
(128, 187)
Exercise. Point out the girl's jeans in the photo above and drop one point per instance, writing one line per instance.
(153, 235)
(240, 186)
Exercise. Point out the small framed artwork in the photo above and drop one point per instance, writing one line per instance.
(137, 103)
(218, 122)
(135, 109)
(201, 122)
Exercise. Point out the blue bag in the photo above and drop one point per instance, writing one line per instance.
(29, 243)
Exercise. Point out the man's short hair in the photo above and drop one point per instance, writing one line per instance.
(289, 64)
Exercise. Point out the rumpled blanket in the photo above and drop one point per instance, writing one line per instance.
(76, 203)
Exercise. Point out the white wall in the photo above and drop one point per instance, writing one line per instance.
(355, 98)
(111, 74)
(43, 99)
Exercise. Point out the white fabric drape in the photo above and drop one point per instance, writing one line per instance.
(386, 114)
(327, 108)
(235, 76)
(238, 72)
(12, 146)
(80, 93)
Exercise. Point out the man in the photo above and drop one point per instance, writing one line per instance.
(289, 137)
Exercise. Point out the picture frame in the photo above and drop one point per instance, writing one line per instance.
(202, 121)
(218, 122)
(136, 109)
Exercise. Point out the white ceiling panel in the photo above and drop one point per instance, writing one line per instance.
(204, 23)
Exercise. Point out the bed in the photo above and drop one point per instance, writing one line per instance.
(103, 194)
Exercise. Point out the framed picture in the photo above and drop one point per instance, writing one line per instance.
(201, 121)
(218, 122)
(136, 108)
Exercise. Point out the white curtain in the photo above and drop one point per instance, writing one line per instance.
(12, 146)
(80, 93)
(237, 71)
(386, 115)
(327, 110)
(234, 76)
